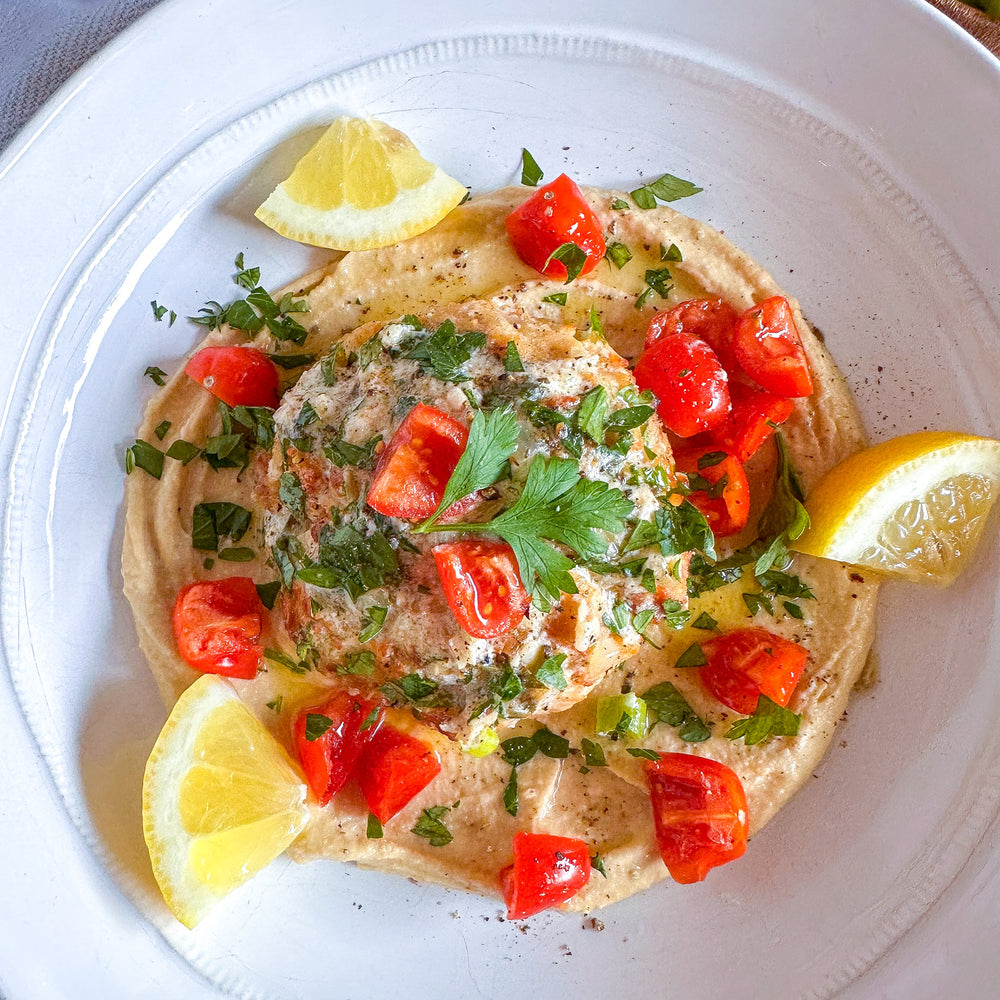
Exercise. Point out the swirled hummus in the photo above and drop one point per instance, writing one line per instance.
(361, 314)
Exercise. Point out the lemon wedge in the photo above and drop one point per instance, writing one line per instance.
(363, 185)
(220, 799)
(913, 507)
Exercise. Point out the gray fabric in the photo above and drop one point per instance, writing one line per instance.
(43, 42)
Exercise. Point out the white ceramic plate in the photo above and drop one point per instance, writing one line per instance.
(826, 148)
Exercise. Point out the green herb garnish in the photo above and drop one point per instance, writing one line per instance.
(531, 172)
(670, 707)
(769, 719)
(666, 188)
(572, 256)
(430, 827)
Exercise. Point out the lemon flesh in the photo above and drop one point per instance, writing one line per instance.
(914, 507)
(220, 799)
(363, 185)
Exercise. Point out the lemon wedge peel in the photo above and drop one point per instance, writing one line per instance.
(363, 185)
(220, 799)
(913, 507)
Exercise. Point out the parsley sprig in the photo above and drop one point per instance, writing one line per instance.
(556, 505)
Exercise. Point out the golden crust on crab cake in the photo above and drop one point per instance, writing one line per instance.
(468, 256)
(360, 405)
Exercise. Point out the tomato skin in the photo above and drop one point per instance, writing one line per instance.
(239, 376)
(711, 320)
(685, 375)
(555, 214)
(700, 814)
(217, 624)
(726, 514)
(753, 419)
(394, 767)
(749, 662)
(482, 585)
(769, 350)
(547, 870)
(413, 469)
(330, 761)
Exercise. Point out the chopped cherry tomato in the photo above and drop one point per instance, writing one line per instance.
(699, 811)
(482, 585)
(691, 385)
(754, 417)
(414, 467)
(745, 664)
(547, 870)
(769, 350)
(393, 768)
(727, 506)
(217, 624)
(330, 758)
(556, 214)
(239, 376)
(711, 320)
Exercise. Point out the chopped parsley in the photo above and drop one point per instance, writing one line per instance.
(290, 361)
(160, 311)
(291, 494)
(145, 456)
(619, 205)
(342, 452)
(693, 656)
(374, 828)
(556, 298)
(444, 352)
(572, 256)
(769, 719)
(350, 561)
(316, 726)
(301, 666)
(618, 254)
(666, 188)
(658, 280)
(372, 622)
(512, 358)
(551, 672)
(531, 172)
(161, 430)
(431, 827)
(672, 252)
(670, 707)
(268, 593)
(413, 689)
(158, 375)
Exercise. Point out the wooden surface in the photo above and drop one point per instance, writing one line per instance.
(983, 28)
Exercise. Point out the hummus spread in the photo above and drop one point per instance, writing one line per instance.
(465, 271)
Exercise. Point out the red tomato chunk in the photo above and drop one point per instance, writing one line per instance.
(754, 417)
(547, 870)
(727, 511)
(415, 466)
(482, 585)
(239, 376)
(685, 375)
(711, 320)
(330, 759)
(556, 214)
(769, 350)
(393, 769)
(749, 662)
(217, 624)
(699, 812)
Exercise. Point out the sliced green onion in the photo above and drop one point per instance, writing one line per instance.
(624, 714)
